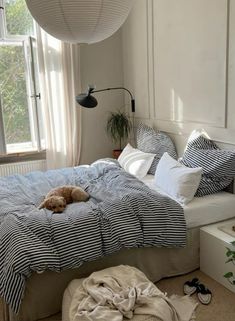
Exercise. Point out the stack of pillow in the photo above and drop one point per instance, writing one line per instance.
(203, 169)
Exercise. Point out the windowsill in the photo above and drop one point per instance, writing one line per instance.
(21, 157)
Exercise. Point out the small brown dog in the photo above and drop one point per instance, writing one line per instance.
(57, 199)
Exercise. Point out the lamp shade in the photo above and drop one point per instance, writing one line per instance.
(86, 100)
(80, 21)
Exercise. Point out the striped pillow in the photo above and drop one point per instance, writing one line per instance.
(155, 142)
(218, 165)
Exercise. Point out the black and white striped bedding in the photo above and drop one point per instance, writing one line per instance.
(218, 166)
(155, 142)
(122, 213)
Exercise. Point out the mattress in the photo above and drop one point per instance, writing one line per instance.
(203, 210)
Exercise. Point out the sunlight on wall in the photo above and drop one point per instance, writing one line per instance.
(177, 109)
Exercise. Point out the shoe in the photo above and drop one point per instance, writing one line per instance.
(190, 287)
(204, 295)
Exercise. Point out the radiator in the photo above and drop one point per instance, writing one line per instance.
(22, 167)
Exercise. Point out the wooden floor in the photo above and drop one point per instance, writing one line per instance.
(222, 306)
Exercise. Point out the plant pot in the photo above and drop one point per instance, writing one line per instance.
(116, 153)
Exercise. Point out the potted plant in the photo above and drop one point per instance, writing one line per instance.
(118, 128)
(230, 276)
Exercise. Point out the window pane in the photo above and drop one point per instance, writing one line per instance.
(14, 95)
(18, 18)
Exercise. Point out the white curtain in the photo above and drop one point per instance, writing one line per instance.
(60, 82)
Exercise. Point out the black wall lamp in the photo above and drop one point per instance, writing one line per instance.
(88, 101)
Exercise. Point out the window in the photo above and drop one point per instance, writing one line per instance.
(21, 127)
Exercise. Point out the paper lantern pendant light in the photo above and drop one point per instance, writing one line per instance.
(80, 21)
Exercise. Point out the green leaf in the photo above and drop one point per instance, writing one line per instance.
(228, 275)
(229, 260)
(233, 243)
(118, 126)
(229, 252)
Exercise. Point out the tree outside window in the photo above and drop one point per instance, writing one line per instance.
(20, 108)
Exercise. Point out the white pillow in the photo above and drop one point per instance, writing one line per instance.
(178, 181)
(135, 162)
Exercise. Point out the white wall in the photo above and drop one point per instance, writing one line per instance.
(101, 64)
(179, 60)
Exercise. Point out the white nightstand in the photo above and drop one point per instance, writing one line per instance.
(213, 243)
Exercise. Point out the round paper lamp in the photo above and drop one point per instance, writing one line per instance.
(80, 21)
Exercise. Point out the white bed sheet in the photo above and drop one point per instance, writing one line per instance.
(203, 210)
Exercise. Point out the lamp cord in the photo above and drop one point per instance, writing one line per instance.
(133, 127)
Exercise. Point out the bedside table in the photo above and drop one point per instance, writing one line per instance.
(213, 243)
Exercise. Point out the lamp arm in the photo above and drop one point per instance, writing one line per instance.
(114, 88)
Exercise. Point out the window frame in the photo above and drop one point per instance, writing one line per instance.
(2, 133)
(33, 95)
(3, 27)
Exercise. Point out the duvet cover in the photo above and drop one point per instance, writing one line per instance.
(122, 212)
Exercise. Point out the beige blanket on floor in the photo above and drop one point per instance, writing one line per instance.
(124, 291)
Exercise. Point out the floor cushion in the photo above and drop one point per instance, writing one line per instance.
(68, 294)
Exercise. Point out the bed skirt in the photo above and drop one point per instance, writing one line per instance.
(44, 292)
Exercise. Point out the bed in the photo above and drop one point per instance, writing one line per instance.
(41, 300)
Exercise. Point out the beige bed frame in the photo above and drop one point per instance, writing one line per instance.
(44, 292)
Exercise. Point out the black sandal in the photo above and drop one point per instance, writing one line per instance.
(204, 295)
(190, 287)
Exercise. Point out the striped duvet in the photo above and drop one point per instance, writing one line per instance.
(122, 213)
